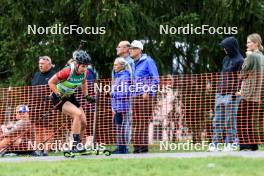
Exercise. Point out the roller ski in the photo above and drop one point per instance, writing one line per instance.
(73, 153)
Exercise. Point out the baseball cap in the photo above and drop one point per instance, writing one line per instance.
(22, 108)
(136, 44)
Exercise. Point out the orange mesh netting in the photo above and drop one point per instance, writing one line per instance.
(184, 108)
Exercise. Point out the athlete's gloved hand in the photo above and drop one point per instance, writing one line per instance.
(90, 99)
(59, 96)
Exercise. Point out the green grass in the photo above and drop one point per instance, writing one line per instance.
(219, 166)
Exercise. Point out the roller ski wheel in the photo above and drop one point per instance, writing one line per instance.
(104, 152)
(69, 154)
(107, 152)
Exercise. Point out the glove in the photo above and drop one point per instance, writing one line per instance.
(61, 97)
(58, 96)
(89, 99)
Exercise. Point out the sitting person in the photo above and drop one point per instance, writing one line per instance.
(18, 132)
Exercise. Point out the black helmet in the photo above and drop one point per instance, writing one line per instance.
(81, 57)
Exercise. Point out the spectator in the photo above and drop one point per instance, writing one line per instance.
(18, 133)
(92, 74)
(120, 104)
(146, 80)
(250, 106)
(91, 78)
(46, 71)
(90, 108)
(122, 50)
(226, 103)
(164, 115)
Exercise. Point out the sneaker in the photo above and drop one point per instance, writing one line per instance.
(78, 148)
(245, 150)
(123, 149)
(248, 147)
(120, 151)
(37, 153)
(10, 154)
(116, 151)
(45, 153)
(142, 149)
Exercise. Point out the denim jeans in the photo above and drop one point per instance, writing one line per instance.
(224, 122)
(122, 131)
(234, 117)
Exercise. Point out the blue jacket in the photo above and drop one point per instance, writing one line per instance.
(120, 95)
(130, 61)
(91, 76)
(146, 76)
(229, 83)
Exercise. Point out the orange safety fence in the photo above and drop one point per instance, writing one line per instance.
(193, 107)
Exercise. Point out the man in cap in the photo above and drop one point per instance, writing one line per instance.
(146, 80)
(16, 133)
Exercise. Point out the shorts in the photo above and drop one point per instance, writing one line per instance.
(55, 100)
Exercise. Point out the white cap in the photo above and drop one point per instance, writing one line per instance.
(22, 108)
(136, 44)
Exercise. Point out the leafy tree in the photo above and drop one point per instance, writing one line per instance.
(123, 20)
